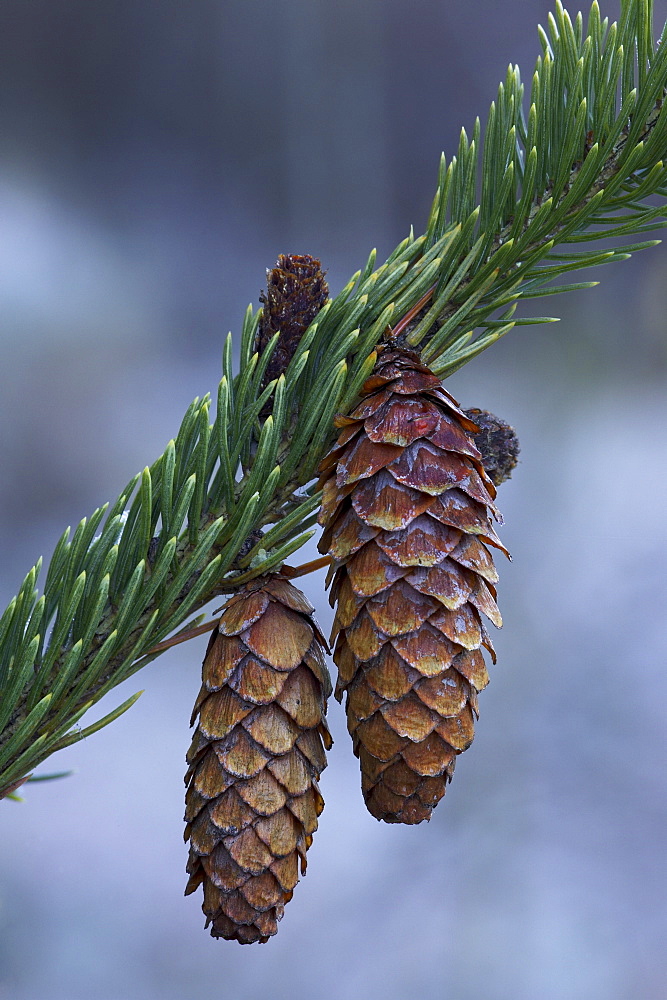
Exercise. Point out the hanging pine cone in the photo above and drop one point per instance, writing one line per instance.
(406, 515)
(252, 801)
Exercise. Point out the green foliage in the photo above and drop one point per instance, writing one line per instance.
(579, 162)
(580, 167)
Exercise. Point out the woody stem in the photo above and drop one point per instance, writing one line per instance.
(182, 637)
(410, 315)
(309, 567)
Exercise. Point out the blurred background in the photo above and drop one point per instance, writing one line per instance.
(155, 157)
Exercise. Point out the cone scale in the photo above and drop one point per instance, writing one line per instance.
(252, 800)
(406, 512)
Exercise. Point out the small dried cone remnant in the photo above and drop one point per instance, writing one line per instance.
(296, 291)
(498, 445)
(406, 515)
(252, 801)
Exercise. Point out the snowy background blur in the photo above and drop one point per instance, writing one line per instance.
(155, 157)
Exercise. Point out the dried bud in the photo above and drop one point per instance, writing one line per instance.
(296, 291)
(498, 444)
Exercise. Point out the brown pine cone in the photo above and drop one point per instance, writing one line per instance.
(406, 515)
(252, 801)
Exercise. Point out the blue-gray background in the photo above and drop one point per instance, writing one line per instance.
(155, 157)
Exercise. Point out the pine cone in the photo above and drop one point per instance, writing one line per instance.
(252, 801)
(405, 510)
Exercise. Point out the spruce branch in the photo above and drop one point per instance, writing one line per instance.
(579, 162)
